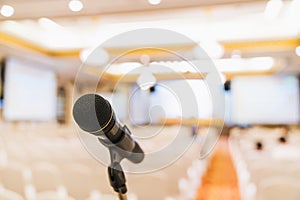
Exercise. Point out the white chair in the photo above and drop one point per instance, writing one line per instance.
(278, 188)
(262, 171)
(15, 177)
(99, 180)
(174, 173)
(77, 180)
(187, 190)
(149, 186)
(6, 194)
(294, 171)
(194, 176)
(52, 195)
(109, 197)
(45, 177)
(95, 196)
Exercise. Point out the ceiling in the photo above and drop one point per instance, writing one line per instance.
(56, 35)
(28, 9)
(224, 23)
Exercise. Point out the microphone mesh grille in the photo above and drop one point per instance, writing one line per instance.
(92, 112)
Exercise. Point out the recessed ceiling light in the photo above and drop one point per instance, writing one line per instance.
(297, 50)
(75, 5)
(154, 2)
(7, 10)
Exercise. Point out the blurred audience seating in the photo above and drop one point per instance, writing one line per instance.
(53, 164)
(269, 173)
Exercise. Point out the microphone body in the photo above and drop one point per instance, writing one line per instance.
(95, 115)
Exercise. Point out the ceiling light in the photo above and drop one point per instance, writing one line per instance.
(154, 2)
(48, 23)
(146, 73)
(145, 59)
(273, 9)
(7, 10)
(94, 56)
(245, 65)
(146, 79)
(75, 5)
(293, 12)
(210, 48)
(222, 77)
(294, 6)
(236, 54)
(123, 68)
(297, 50)
(261, 63)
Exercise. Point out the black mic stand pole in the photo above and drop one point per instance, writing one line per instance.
(116, 174)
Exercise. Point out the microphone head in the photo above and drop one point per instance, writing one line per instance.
(93, 114)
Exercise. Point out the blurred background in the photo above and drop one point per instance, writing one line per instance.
(254, 45)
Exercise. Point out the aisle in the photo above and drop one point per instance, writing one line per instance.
(220, 181)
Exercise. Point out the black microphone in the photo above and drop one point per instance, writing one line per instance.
(95, 115)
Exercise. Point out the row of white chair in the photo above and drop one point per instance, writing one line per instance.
(53, 163)
(77, 179)
(262, 175)
(78, 182)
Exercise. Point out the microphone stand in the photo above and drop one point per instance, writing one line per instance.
(116, 174)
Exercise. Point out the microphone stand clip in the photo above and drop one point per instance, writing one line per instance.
(115, 172)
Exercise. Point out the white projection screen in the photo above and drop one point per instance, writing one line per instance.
(146, 107)
(29, 92)
(265, 100)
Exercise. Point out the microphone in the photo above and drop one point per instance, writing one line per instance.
(95, 115)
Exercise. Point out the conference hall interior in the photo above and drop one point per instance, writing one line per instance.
(207, 93)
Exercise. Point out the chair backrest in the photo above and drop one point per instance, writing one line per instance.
(149, 186)
(99, 180)
(45, 176)
(52, 195)
(109, 197)
(77, 180)
(187, 190)
(264, 171)
(9, 195)
(13, 178)
(174, 173)
(278, 188)
(294, 171)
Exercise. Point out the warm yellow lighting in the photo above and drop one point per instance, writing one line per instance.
(255, 64)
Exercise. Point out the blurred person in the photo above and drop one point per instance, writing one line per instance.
(283, 139)
(259, 146)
